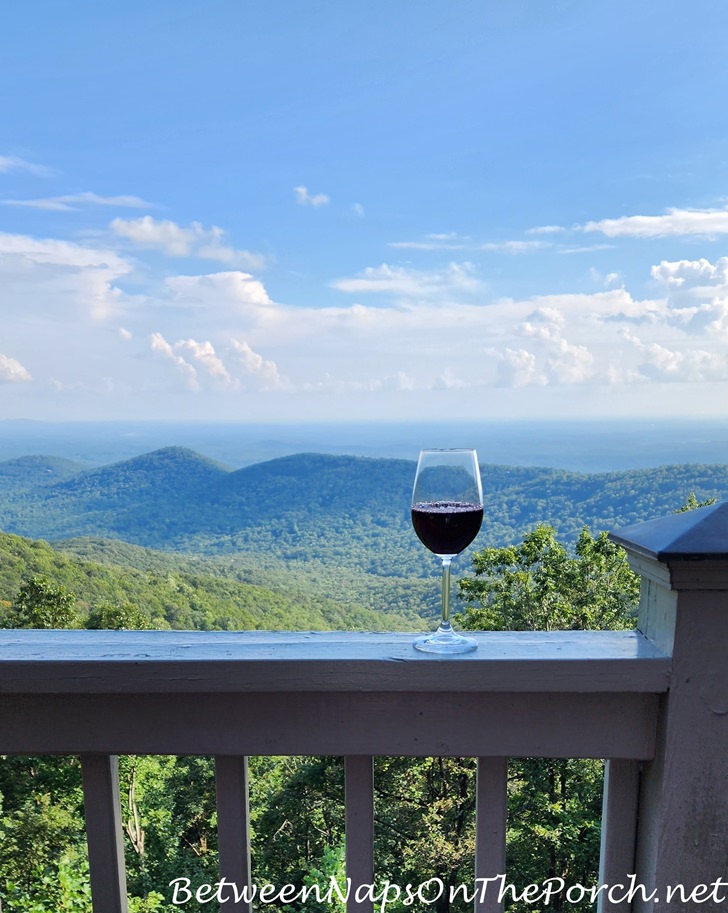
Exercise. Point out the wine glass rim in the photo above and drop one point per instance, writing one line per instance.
(448, 450)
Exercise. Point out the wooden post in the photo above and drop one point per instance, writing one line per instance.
(682, 843)
(490, 834)
(233, 829)
(104, 833)
(359, 779)
(619, 831)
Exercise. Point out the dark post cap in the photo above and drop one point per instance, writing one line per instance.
(687, 536)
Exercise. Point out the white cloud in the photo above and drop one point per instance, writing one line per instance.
(611, 279)
(678, 366)
(515, 247)
(13, 163)
(70, 202)
(52, 277)
(176, 241)
(358, 210)
(304, 198)
(456, 279)
(517, 368)
(677, 273)
(673, 222)
(544, 323)
(697, 295)
(62, 253)
(205, 355)
(235, 290)
(12, 371)
(263, 369)
(558, 361)
(570, 364)
(453, 241)
(160, 344)
(545, 230)
(584, 249)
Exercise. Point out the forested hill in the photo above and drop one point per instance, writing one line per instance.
(340, 510)
(172, 592)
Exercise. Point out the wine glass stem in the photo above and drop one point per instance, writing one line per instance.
(446, 592)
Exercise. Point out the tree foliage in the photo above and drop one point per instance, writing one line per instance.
(40, 603)
(538, 585)
(692, 503)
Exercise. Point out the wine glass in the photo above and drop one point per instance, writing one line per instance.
(447, 511)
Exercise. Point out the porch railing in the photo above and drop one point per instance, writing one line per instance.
(654, 702)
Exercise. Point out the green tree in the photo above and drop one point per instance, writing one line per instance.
(42, 604)
(539, 586)
(692, 503)
(114, 616)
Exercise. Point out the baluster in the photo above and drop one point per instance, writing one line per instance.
(359, 778)
(104, 832)
(490, 832)
(233, 828)
(619, 829)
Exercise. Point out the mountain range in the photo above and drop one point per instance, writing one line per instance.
(335, 525)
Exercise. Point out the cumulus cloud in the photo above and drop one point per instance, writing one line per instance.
(679, 273)
(188, 372)
(304, 198)
(202, 361)
(673, 222)
(177, 241)
(691, 365)
(544, 323)
(11, 371)
(697, 294)
(517, 368)
(570, 364)
(558, 361)
(264, 370)
(234, 290)
(204, 354)
(71, 201)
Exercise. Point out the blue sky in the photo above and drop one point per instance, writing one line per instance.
(291, 210)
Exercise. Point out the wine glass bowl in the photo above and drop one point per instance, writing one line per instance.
(447, 512)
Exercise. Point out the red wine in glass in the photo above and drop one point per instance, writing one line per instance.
(447, 527)
(447, 512)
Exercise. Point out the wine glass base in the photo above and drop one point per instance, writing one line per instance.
(445, 642)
